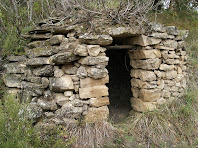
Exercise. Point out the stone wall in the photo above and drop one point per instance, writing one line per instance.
(63, 75)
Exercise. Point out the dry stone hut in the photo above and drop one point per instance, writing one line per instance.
(69, 73)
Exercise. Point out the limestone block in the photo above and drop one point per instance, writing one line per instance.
(54, 40)
(125, 31)
(174, 89)
(169, 82)
(143, 75)
(170, 75)
(77, 103)
(63, 58)
(81, 50)
(35, 111)
(68, 93)
(181, 44)
(140, 106)
(70, 69)
(184, 68)
(94, 60)
(81, 73)
(141, 84)
(96, 39)
(175, 94)
(93, 92)
(167, 55)
(159, 74)
(164, 47)
(73, 97)
(15, 68)
(160, 84)
(156, 27)
(170, 43)
(97, 102)
(149, 64)
(58, 73)
(17, 58)
(144, 54)
(33, 92)
(61, 84)
(94, 50)
(135, 92)
(97, 73)
(47, 95)
(166, 94)
(102, 54)
(95, 115)
(143, 40)
(12, 91)
(184, 83)
(45, 82)
(35, 44)
(38, 61)
(150, 95)
(161, 101)
(60, 99)
(166, 67)
(69, 111)
(172, 30)
(33, 79)
(69, 44)
(161, 35)
(43, 51)
(183, 53)
(12, 80)
(182, 34)
(49, 115)
(32, 86)
(75, 78)
(89, 82)
(172, 61)
(37, 36)
(47, 105)
(44, 71)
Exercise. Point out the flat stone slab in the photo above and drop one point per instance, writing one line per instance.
(89, 82)
(143, 40)
(96, 39)
(140, 106)
(93, 92)
(38, 61)
(148, 64)
(97, 102)
(94, 60)
(45, 71)
(15, 67)
(61, 84)
(63, 58)
(120, 32)
(144, 54)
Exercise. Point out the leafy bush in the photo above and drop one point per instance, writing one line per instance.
(17, 130)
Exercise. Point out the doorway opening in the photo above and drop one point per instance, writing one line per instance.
(119, 84)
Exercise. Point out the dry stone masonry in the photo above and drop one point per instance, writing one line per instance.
(64, 72)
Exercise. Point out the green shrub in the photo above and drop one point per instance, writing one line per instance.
(17, 130)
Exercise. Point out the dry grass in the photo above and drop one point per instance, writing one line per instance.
(92, 135)
(174, 125)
